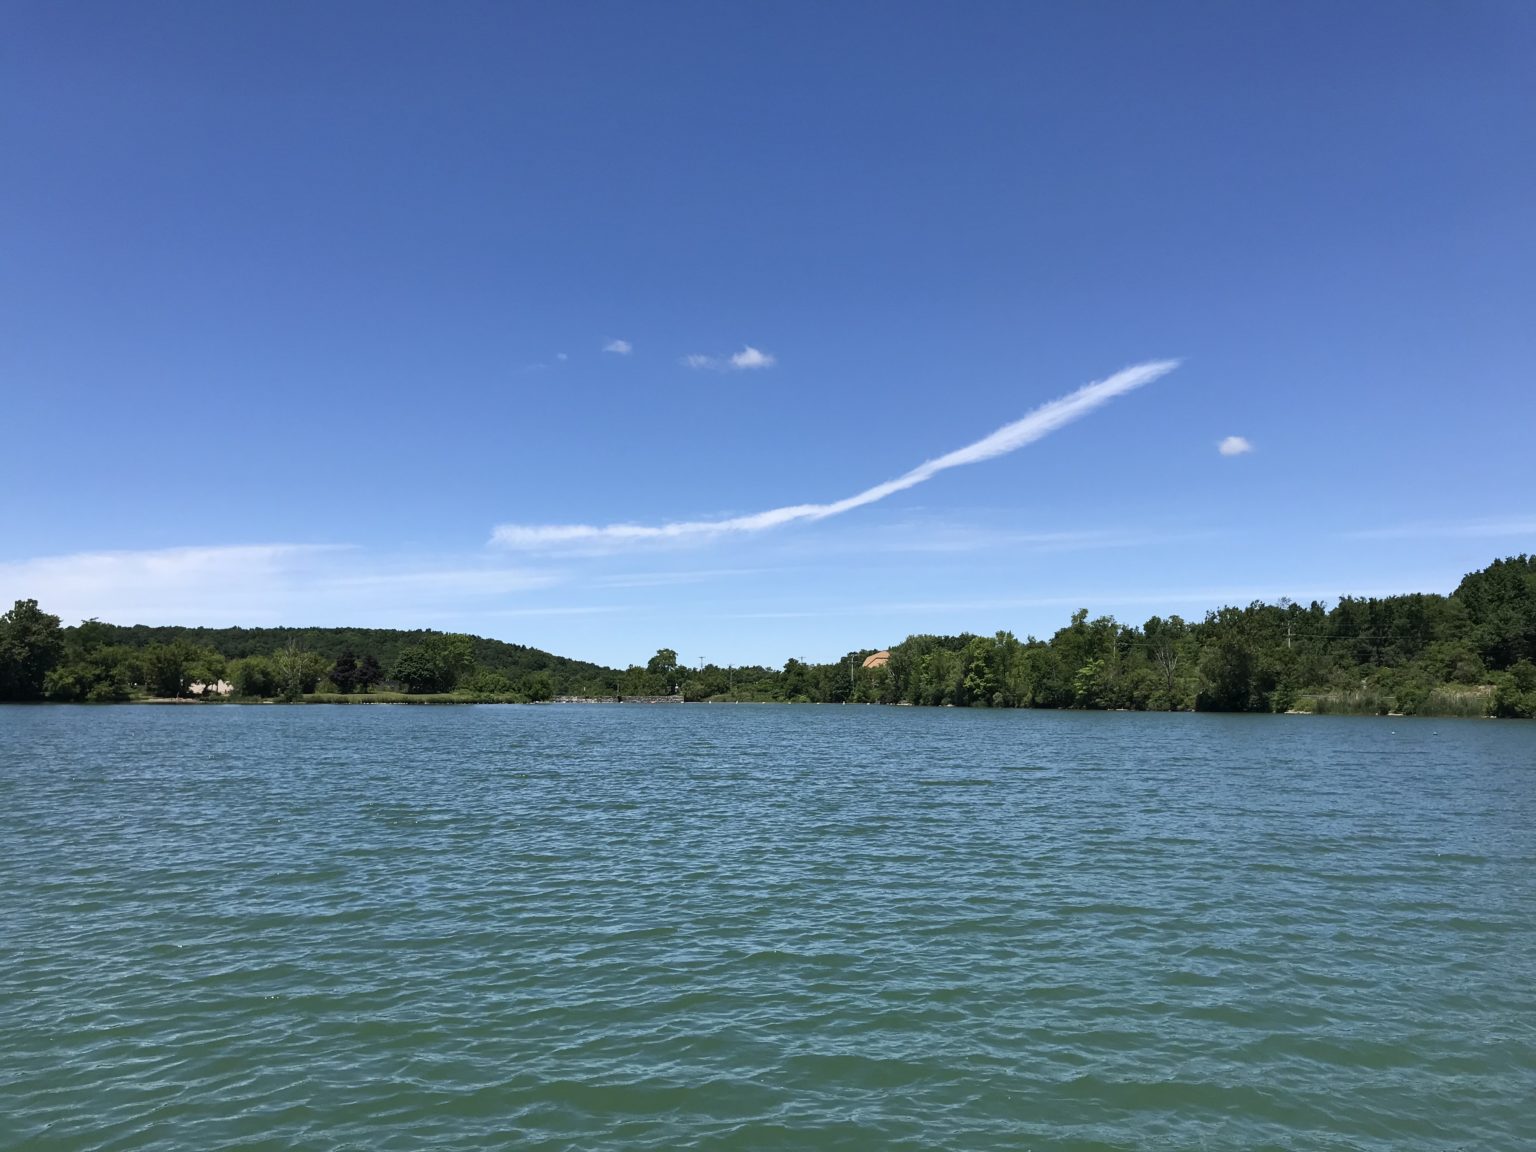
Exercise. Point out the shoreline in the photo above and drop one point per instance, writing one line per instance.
(440, 700)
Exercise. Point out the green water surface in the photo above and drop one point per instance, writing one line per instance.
(631, 927)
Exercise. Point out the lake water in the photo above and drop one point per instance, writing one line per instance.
(630, 927)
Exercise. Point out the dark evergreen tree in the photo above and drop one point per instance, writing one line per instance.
(368, 673)
(344, 672)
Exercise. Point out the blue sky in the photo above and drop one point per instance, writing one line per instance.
(300, 303)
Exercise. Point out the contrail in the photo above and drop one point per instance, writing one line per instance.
(1009, 438)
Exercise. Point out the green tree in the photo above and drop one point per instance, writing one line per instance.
(67, 683)
(168, 668)
(91, 635)
(344, 671)
(253, 676)
(31, 644)
(296, 671)
(102, 675)
(1010, 668)
(368, 672)
(1089, 685)
(795, 682)
(486, 682)
(538, 687)
(208, 669)
(1226, 671)
(1515, 693)
(1500, 603)
(436, 664)
(1166, 642)
(978, 677)
(664, 672)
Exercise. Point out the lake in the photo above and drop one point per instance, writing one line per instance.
(630, 927)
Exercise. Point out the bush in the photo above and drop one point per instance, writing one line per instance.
(112, 689)
(71, 682)
(484, 682)
(538, 686)
(253, 676)
(1514, 695)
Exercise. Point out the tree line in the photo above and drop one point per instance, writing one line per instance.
(1472, 652)
(95, 662)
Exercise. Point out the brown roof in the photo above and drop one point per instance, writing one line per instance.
(877, 660)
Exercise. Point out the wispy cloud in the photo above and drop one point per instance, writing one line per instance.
(1451, 530)
(748, 358)
(1105, 602)
(1009, 438)
(939, 535)
(672, 579)
(1234, 446)
(554, 610)
(619, 347)
(264, 584)
(544, 365)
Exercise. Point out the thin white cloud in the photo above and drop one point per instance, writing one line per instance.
(673, 579)
(572, 610)
(1451, 530)
(1234, 446)
(263, 584)
(1009, 438)
(619, 347)
(561, 356)
(1097, 602)
(745, 360)
(939, 537)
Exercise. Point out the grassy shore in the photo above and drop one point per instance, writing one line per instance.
(340, 698)
(408, 698)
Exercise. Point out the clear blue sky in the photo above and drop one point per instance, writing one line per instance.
(300, 302)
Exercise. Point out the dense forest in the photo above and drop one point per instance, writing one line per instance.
(1470, 653)
(100, 662)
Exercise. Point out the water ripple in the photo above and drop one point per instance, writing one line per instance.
(663, 928)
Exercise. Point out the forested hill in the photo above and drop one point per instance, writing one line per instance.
(515, 661)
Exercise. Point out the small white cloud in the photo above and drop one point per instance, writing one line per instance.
(748, 357)
(619, 347)
(561, 356)
(1234, 446)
